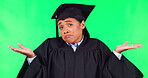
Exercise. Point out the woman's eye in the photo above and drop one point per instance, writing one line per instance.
(60, 27)
(70, 24)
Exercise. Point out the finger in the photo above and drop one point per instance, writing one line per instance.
(21, 45)
(15, 49)
(18, 50)
(137, 45)
(11, 47)
(133, 46)
(125, 43)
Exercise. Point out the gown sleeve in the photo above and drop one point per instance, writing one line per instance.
(38, 67)
(115, 68)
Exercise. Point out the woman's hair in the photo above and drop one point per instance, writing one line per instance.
(85, 31)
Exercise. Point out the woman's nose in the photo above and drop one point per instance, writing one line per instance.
(66, 30)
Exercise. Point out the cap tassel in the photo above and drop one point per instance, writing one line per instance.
(57, 33)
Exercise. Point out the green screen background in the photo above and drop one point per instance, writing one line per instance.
(112, 21)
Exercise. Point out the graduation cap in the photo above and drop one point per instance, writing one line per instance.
(78, 11)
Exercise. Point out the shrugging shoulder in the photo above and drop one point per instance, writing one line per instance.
(92, 59)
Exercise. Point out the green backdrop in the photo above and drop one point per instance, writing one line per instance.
(112, 21)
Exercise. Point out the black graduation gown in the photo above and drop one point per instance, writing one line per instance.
(92, 59)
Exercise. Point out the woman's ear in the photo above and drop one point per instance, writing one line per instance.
(83, 24)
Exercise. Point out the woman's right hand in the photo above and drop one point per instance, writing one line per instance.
(23, 50)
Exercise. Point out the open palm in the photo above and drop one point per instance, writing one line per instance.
(124, 47)
(23, 50)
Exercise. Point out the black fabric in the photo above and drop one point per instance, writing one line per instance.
(86, 33)
(72, 10)
(92, 59)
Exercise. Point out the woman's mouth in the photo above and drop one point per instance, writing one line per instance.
(67, 36)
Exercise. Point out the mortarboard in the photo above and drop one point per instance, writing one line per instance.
(77, 11)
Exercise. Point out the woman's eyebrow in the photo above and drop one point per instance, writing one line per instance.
(65, 21)
(68, 21)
